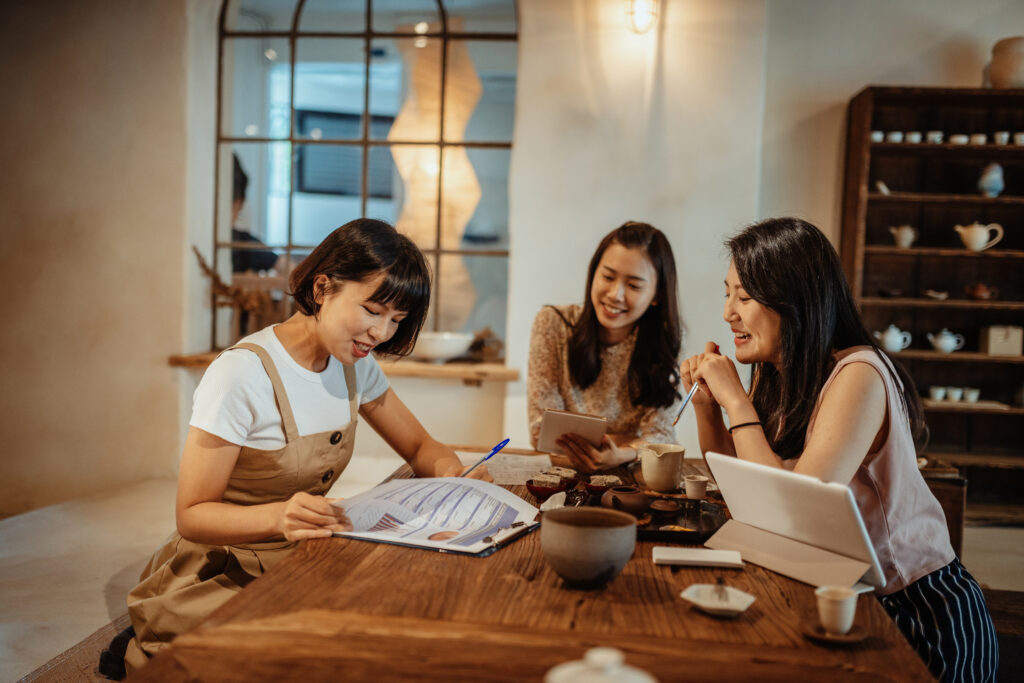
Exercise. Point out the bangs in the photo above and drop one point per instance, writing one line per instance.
(406, 289)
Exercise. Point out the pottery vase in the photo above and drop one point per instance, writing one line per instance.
(1006, 70)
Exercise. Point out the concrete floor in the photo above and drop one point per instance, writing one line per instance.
(65, 569)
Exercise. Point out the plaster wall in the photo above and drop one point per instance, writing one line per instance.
(93, 217)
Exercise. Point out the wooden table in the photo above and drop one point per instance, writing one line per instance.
(345, 610)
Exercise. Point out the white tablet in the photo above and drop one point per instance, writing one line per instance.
(795, 507)
(555, 423)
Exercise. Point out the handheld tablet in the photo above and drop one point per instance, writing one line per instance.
(558, 422)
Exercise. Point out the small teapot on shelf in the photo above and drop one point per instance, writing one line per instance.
(893, 339)
(979, 291)
(945, 341)
(976, 236)
(904, 236)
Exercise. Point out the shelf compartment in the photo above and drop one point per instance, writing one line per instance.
(891, 250)
(947, 149)
(961, 409)
(939, 199)
(901, 302)
(1008, 462)
(956, 356)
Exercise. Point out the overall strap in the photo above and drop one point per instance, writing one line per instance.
(291, 431)
(353, 397)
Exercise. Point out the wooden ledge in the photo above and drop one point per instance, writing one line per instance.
(470, 373)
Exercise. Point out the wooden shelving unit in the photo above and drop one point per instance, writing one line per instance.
(933, 187)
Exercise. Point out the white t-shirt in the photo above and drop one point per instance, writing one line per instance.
(235, 399)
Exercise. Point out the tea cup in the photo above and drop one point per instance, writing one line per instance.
(837, 606)
(972, 394)
(587, 546)
(877, 136)
(936, 393)
(1018, 138)
(1001, 137)
(958, 139)
(696, 486)
(954, 393)
(933, 136)
(913, 136)
(978, 138)
(894, 136)
(662, 465)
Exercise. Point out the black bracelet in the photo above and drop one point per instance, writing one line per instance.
(744, 424)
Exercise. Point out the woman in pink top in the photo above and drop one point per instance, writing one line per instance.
(825, 401)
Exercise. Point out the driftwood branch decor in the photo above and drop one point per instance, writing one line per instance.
(251, 297)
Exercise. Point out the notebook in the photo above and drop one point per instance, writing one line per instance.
(796, 525)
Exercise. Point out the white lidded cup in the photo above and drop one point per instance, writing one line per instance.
(837, 606)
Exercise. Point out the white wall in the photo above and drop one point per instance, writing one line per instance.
(613, 126)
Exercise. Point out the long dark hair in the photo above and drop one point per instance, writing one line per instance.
(789, 266)
(653, 376)
(359, 250)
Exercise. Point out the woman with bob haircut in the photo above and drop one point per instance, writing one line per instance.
(273, 425)
(825, 401)
(617, 354)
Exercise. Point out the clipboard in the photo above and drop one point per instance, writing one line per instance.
(555, 423)
(796, 525)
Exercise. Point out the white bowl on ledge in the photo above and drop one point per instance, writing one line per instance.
(441, 346)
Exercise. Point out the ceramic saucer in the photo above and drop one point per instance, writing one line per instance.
(707, 598)
(815, 631)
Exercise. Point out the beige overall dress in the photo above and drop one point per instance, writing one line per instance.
(184, 581)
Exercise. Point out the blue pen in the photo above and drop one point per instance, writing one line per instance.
(487, 457)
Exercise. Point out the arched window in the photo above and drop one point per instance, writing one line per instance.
(330, 110)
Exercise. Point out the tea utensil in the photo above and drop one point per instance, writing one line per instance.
(487, 457)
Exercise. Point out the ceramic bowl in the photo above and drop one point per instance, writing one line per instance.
(587, 546)
(441, 346)
(542, 493)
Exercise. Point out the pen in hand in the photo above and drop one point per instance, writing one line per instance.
(689, 395)
(487, 457)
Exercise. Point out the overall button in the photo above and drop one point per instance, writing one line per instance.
(327, 476)
(335, 438)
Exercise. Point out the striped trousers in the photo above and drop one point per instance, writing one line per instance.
(945, 618)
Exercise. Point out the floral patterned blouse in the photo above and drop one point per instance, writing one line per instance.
(550, 386)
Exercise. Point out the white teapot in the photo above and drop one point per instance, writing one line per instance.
(904, 236)
(893, 339)
(945, 341)
(976, 236)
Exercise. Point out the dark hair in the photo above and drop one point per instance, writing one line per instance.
(357, 251)
(653, 376)
(239, 181)
(789, 266)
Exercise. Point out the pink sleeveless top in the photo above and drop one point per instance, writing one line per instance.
(904, 520)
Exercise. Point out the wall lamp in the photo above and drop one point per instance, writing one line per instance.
(642, 14)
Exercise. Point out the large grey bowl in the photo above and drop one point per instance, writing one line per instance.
(587, 546)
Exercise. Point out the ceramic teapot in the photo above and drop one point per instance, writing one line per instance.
(893, 339)
(945, 341)
(626, 498)
(976, 236)
(904, 236)
(979, 291)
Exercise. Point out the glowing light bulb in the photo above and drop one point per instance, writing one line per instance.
(421, 27)
(643, 14)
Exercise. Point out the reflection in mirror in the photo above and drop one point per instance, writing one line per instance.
(259, 15)
(483, 16)
(404, 16)
(327, 190)
(333, 16)
(415, 178)
(329, 85)
(402, 76)
(256, 87)
(474, 292)
(487, 226)
(252, 202)
(494, 68)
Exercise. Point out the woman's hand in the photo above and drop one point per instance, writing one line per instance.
(587, 458)
(308, 516)
(718, 376)
(687, 372)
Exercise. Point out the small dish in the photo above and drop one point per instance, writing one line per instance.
(595, 488)
(815, 631)
(542, 493)
(704, 597)
(937, 295)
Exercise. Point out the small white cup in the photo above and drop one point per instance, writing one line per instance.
(894, 136)
(978, 138)
(696, 486)
(1001, 137)
(1018, 138)
(954, 393)
(837, 606)
(913, 136)
(958, 139)
(936, 393)
(933, 136)
(971, 394)
(877, 136)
